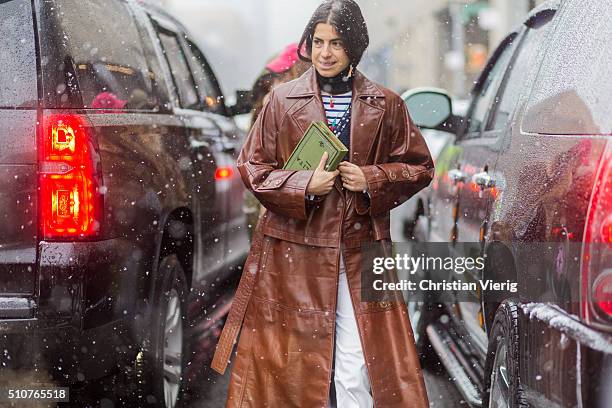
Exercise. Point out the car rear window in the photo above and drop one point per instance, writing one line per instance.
(104, 50)
(17, 55)
(572, 92)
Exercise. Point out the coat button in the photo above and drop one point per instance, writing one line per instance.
(392, 175)
(406, 174)
(383, 304)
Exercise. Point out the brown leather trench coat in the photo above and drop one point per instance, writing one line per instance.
(288, 290)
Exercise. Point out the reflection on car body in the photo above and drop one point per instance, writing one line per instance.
(528, 181)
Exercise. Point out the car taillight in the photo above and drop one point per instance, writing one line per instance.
(69, 195)
(597, 253)
(223, 173)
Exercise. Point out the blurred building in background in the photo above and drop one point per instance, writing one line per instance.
(442, 43)
(447, 42)
(240, 36)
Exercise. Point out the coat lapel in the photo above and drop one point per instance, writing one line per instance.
(307, 88)
(365, 119)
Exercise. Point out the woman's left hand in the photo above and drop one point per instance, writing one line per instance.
(352, 177)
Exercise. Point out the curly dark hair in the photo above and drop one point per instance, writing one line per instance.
(345, 16)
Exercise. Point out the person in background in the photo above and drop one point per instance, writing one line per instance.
(309, 322)
(284, 67)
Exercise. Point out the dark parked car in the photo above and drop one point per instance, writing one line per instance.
(528, 180)
(122, 224)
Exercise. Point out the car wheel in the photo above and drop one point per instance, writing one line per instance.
(162, 360)
(408, 229)
(422, 314)
(502, 378)
(416, 228)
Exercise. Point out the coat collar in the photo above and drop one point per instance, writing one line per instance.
(307, 85)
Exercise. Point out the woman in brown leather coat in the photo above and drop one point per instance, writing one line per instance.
(305, 323)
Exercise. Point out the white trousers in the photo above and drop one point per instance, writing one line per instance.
(350, 373)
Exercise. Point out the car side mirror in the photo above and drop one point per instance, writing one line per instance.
(244, 103)
(431, 108)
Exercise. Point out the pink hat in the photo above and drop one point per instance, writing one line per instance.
(285, 61)
(107, 100)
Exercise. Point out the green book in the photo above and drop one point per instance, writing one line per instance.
(317, 139)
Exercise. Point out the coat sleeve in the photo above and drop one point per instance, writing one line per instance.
(280, 191)
(408, 169)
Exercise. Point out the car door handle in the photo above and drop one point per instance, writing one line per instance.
(483, 180)
(229, 149)
(456, 176)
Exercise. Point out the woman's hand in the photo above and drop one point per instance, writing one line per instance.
(322, 181)
(353, 178)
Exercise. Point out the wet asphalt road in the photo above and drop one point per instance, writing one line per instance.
(207, 389)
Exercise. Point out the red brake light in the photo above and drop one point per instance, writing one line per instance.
(597, 254)
(602, 293)
(606, 230)
(223, 173)
(69, 197)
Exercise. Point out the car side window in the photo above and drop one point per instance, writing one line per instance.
(488, 87)
(206, 83)
(188, 96)
(522, 69)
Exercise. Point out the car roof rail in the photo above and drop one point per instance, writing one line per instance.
(157, 12)
(542, 13)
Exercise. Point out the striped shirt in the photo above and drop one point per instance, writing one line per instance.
(334, 111)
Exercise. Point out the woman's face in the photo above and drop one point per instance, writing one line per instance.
(328, 54)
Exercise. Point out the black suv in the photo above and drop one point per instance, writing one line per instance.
(527, 184)
(121, 207)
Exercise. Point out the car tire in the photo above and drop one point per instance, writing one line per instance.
(417, 227)
(422, 315)
(423, 312)
(502, 376)
(408, 228)
(161, 363)
(426, 311)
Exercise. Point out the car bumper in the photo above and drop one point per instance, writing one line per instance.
(55, 347)
(83, 323)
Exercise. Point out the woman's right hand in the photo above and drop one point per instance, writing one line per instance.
(322, 181)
